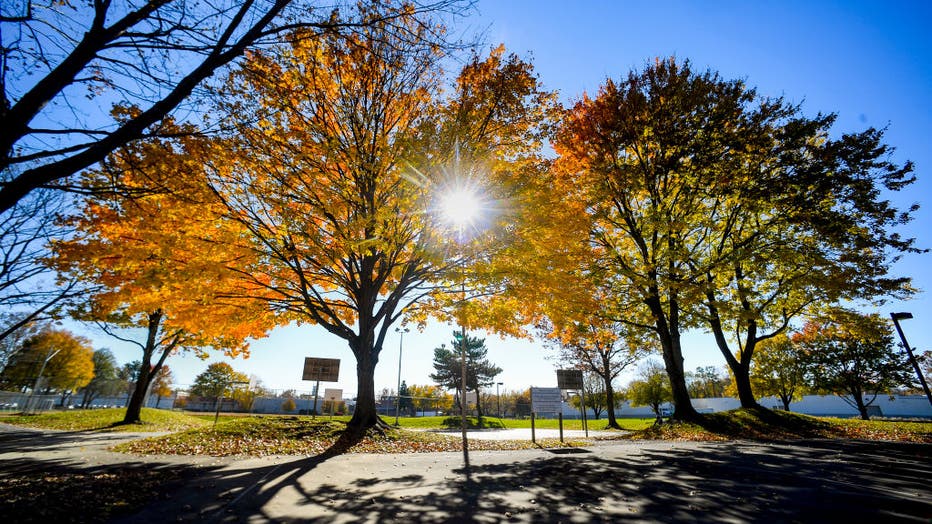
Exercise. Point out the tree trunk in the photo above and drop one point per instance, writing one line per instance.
(742, 374)
(365, 415)
(656, 409)
(668, 332)
(862, 409)
(786, 401)
(134, 407)
(609, 392)
(682, 405)
(741, 370)
(478, 405)
(146, 370)
(859, 402)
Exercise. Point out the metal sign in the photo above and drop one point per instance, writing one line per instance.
(546, 400)
(321, 369)
(333, 395)
(569, 379)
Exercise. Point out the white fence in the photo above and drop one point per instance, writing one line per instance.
(905, 406)
(26, 403)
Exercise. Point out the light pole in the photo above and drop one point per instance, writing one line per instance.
(460, 207)
(31, 408)
(912, 358)
(401, 336)
(463, 371)
(222, 393)
(499, 395)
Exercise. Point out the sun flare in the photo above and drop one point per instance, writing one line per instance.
(460, 207)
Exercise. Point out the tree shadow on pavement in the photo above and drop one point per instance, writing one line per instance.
(804, 481)
(48, 488)
(45, 490)
(25, 440)
(738, 482)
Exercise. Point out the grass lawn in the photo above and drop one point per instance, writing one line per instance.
(630, 424)
(105, 420)
(447, 422)
(781, 425)
(453, 422)
(291, 435)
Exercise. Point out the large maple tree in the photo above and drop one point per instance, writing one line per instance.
(159, 259)
(713, 207)
(645, 150)
(341, 148)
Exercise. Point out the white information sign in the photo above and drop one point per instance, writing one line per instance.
(335, 395)
(546, 400)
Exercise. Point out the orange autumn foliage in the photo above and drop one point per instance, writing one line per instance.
(157, 242)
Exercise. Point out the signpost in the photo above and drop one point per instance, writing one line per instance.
(573, 379)
(333, 396)
(544, 400)
(321, 370)
(569, 379)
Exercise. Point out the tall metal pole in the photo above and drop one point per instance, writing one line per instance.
(463, 369)
(217, 406)
(499, 395)
(320, 372)
(912, 358)
(49, 355)
(398, 387)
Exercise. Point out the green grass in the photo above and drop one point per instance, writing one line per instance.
(781, 425)
(453, 422)
(444, 422)
(290, 435)
(105, 420)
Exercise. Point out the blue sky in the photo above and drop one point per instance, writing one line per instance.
(870, 62)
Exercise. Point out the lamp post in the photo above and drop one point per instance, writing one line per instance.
(463, 372)
(222, 392)
(401, 332)
(499, 395)
(912, 358)
(30, 408)
(460, 207)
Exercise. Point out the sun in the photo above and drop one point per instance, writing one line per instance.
(460, 207)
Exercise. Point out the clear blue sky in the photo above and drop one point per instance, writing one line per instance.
(871, 62)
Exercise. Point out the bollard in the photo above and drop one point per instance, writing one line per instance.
(561, 427)
(533, 436)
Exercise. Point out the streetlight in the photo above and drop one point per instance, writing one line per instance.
(912, 358)
(499, 395)
(460, 207)
(222, 392)
(401, 337)
(30, 407)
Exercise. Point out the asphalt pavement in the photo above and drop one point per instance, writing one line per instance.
(801, 481)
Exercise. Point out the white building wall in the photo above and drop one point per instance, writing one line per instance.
(911, 406)
(832, 405)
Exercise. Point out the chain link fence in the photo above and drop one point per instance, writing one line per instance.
(25, 402)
